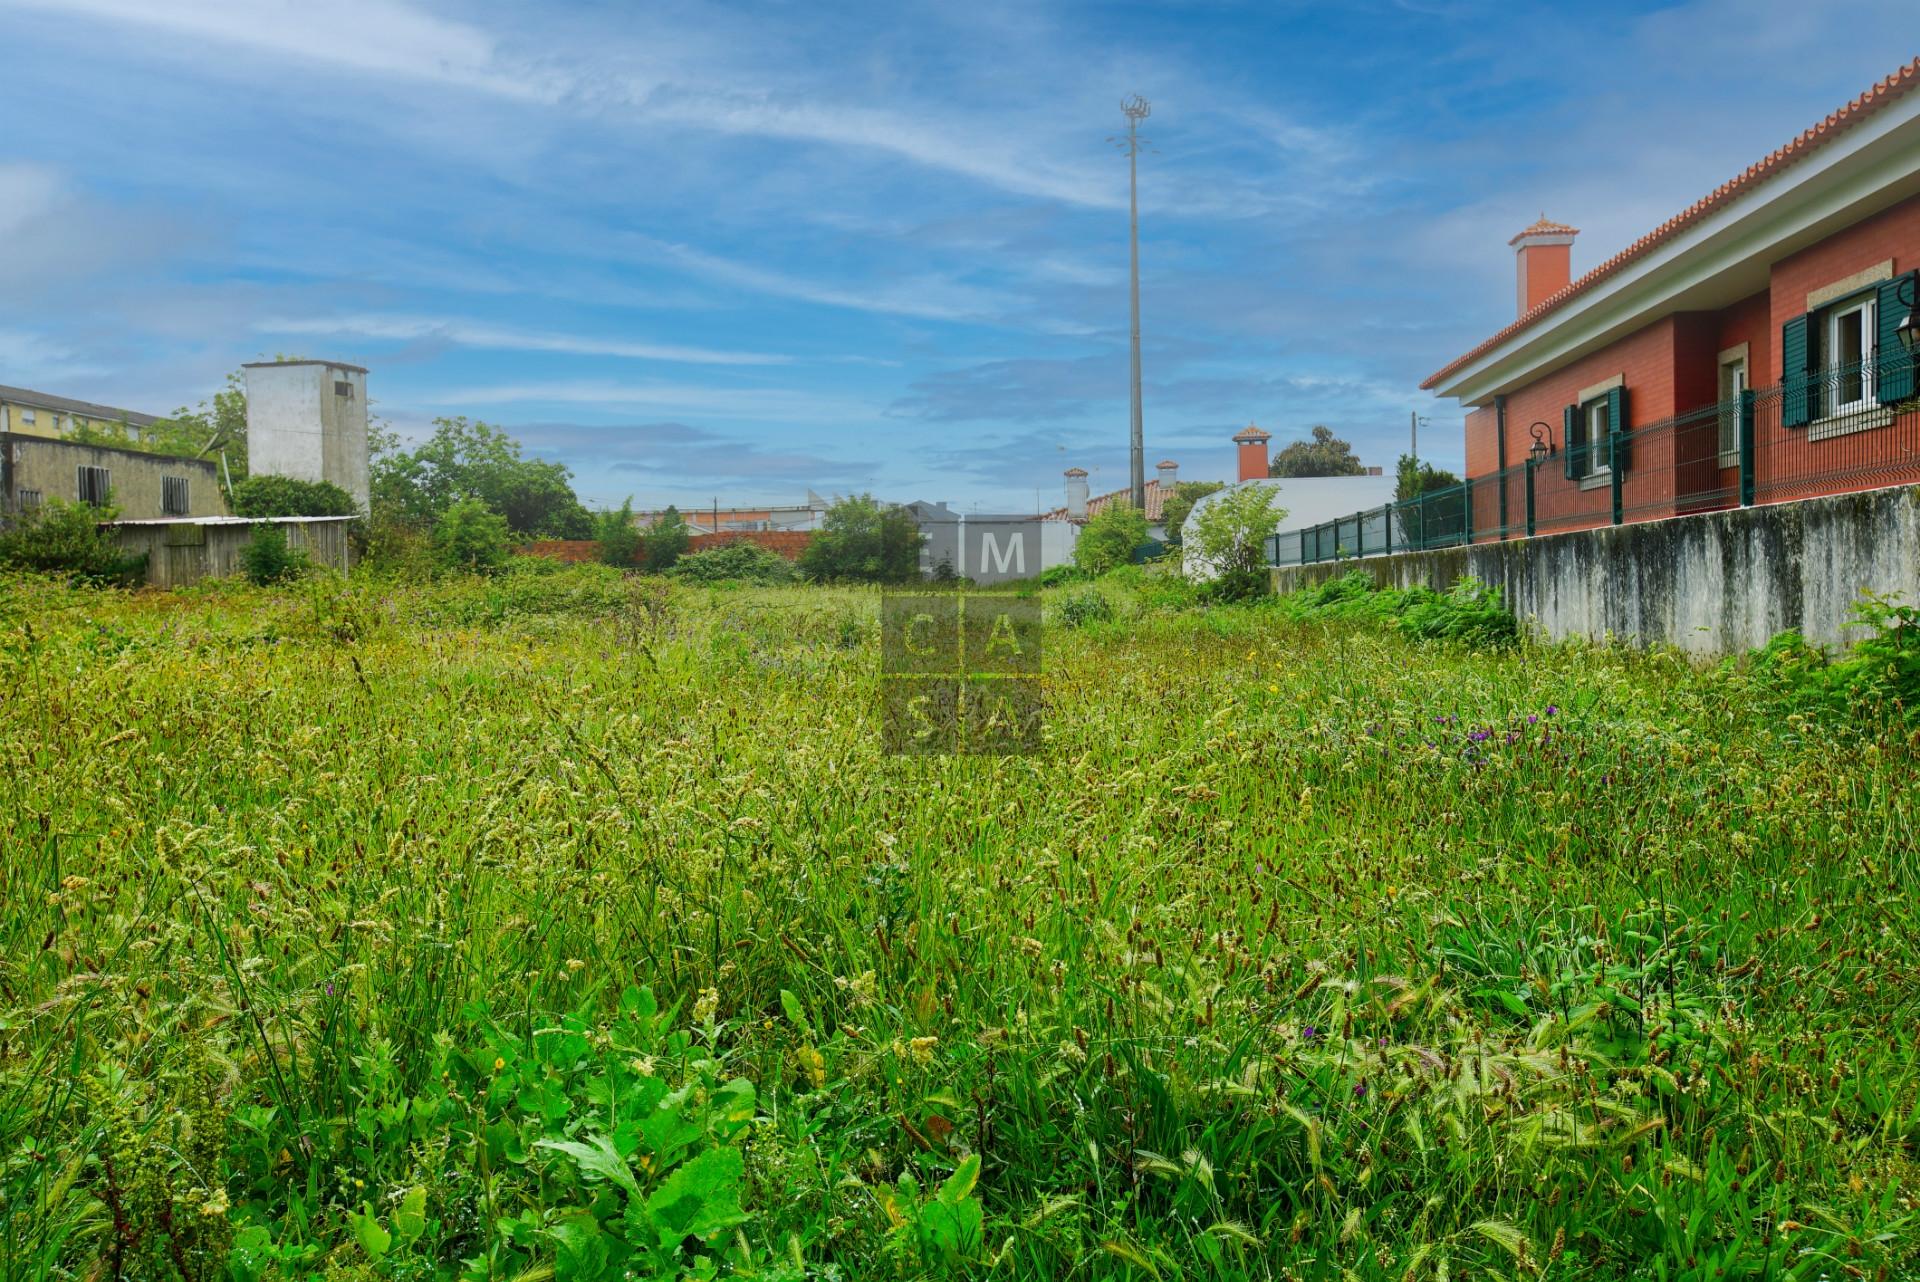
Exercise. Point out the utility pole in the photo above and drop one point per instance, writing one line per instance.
(1136, 109)
(1413, 424)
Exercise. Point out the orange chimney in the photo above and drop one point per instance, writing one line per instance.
(1545, 262)
(1253, 452)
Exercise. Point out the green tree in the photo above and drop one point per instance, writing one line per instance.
(1173, 511)
(1324, 455)
(1417, 478)
(471, 536)
(667, 540)
(617, 535)
(1230, 534)
(864, 540)
(471, 459)
(1110, 538)
(218, 427)
(259, 496)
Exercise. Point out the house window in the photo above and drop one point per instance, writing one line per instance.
(1599, 437)
(26, 416)
(341, 387)
(24, 499)
(92, 486)
(1847, 356)
(173, 496)
(1733, 383)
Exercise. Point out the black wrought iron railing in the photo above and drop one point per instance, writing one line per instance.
(1819, 436)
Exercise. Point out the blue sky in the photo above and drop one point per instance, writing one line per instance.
(753, 248)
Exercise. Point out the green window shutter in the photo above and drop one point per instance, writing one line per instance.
(1573, 436)
(1796, 385)
(1617, 420)
(1893, 364)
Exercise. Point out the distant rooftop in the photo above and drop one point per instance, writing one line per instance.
(67, 405)
(358, 369)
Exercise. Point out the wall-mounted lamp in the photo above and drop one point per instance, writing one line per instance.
(1909, 327)
(1543, 447)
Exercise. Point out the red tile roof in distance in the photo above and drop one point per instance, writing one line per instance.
(1157, 496)
(1879, 96)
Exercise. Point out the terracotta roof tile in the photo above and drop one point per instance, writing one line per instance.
(1157, 496)
(1544, 227)
(1874, 99)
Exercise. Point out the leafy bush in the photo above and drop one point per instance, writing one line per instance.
(1469, 612)
(1880, 674)
(260, 496)
(1229, 534)
(1056, 575)
(1083, 606)
(1239, 584)
(66, 538)
(1110, 539)
(666, 541)
(387, 545)
(864, 541)
(471, 536)
(268, 560)
(618, 538)
(741, 562)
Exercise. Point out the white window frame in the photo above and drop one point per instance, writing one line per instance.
(1731, 391)
(27, 415)
(1863, 308)
(1599, 438)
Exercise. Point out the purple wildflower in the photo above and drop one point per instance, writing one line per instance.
(1552, 708)
(1309, 1032)
(1481, 736)
(1533, 719)
(1360, 1090)
(329, 990)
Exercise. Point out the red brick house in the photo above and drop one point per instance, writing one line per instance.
(1749, 349)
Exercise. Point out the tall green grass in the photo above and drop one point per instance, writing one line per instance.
(566, 925)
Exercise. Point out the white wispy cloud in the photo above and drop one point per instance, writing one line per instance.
(469, 333)
(780, 404)
(379, 37)
(927, 296)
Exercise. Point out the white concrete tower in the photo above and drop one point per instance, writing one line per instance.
(308, 420)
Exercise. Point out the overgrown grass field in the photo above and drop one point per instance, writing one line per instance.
(568, 926)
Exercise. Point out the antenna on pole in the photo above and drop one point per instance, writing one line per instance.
(1136, 109)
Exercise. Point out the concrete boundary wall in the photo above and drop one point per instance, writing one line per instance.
(1716, 583)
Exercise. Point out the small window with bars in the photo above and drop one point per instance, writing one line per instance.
(342, 387)
(173, 496)
(93, 485)
(24, 499)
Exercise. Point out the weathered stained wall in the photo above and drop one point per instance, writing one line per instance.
(308, 420)
(182, 552)
(50, 469)
(1715, 583)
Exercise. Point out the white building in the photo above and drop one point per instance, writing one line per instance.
(1307, 500)
(308, 420)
